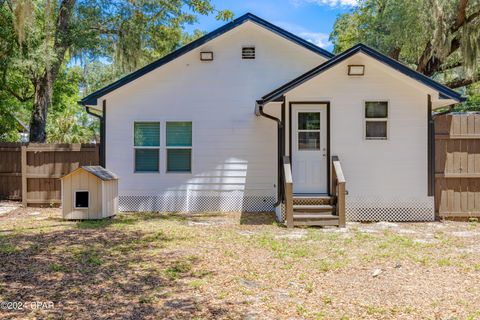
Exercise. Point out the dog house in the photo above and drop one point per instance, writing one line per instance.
(89, 192)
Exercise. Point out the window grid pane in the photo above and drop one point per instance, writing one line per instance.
(146, 160)
(376, 129)
(378, 109)
(179, 160)
(179, 134)
(309, 140)
(147, 134)
(309, 121)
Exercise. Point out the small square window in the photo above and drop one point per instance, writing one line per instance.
(81, 199)
(376, 120)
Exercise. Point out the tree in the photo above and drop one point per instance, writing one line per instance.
(439, 38)
(40, 36)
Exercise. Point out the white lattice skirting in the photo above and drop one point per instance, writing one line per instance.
(196, 201)
(370, 208)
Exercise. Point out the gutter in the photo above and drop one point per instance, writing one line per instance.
(102, 130)
(280, 143)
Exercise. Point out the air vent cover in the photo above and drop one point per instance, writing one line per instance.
(248, 52)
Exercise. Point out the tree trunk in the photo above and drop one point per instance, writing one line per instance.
(394, 53)
(41, 103)
(44, 85)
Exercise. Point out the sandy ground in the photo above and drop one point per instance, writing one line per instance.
(234, 266)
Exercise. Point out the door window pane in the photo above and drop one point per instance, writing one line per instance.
(377, 109)
(179, 160)
(146, 160)
(376, 129)
(309, 121)
(309, 141)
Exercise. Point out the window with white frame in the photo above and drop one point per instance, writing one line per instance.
(179, 146)
(147, 146)
(376, 120)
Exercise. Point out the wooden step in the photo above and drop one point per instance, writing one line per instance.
(307, 215)
(307, 199)
(319, 223)
(315, 208)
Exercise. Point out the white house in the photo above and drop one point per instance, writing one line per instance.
(206, 127)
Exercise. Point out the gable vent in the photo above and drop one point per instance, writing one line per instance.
(248, 52)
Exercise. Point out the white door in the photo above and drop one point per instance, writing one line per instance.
(309, 148)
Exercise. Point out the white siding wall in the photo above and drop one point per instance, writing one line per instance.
(385, 179)
(234, 152)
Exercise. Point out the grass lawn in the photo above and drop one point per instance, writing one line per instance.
(236, 266)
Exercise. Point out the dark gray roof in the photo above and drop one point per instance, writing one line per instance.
(101, 172)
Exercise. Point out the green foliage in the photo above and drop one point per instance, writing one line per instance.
(473, 102)
(68, 122)
(103, 41)
(71, 125)
(384, 25)
(435, 37)
(8, 123)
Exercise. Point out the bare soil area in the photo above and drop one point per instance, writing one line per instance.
(234, 266)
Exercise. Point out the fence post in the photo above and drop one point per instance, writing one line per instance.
(24, 175)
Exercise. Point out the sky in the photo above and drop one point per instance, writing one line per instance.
(310, 19)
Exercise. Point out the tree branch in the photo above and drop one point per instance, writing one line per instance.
(62, 40)
(394, 53)
(19, 97)
(461, 15)
(472, 17)
(450, 66)
(104, 30)
(458, 83)
(429, 63)
(424, 58)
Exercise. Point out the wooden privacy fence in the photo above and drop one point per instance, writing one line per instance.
(31, 172)
(457, 165)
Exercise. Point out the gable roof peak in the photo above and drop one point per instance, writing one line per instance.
(400, 67)
(91, 99)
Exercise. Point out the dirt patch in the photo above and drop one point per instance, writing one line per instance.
(8, 206)
(236, 266)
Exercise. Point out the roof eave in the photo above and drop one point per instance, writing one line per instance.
(441, 89)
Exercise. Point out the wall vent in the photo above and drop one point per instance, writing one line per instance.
(206, 56)
(248, 52)
(356, 70)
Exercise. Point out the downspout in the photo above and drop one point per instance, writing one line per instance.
(102, 130)
(430, 148)
(280, 145)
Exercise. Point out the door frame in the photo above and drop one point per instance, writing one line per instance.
(290, 104)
